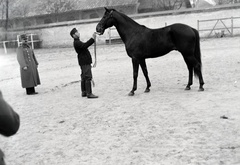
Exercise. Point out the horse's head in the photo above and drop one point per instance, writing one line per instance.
(106, 21)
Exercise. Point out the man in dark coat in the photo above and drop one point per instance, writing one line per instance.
(85, 61)
(28, 66)
(9, 122)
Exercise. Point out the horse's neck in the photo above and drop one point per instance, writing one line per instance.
(126, 27)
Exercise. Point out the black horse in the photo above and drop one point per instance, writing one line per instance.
(142, 42)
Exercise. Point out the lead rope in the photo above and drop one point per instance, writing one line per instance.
(95, 56)
(95, 50)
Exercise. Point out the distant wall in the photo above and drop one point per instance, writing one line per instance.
(57, 34)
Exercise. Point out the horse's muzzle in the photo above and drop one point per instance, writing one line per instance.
(100, 30)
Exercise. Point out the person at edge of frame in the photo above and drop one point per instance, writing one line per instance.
(28, 66)
(85, 61)
(9, 122)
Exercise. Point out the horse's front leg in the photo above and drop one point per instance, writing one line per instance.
(145, 73)
(135, 65)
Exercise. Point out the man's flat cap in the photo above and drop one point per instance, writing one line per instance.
(73, 31)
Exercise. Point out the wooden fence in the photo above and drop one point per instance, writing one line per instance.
(32, 38)
(218, 27)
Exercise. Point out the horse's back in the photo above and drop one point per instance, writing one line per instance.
(151, 43)
(182, 30)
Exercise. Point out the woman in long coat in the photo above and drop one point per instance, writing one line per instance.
(28, 66)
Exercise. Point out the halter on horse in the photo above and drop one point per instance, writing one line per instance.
(142, 42)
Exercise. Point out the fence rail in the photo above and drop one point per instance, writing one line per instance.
(33, 39)
(227, 24)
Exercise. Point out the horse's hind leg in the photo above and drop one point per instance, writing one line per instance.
(145, 73)
(190, 75)
(201, 83)
(198, 72)
(193, 64)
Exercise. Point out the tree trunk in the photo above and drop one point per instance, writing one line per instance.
(6, 23)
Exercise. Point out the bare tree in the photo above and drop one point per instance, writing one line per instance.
(4, 12)
(6, 24)
(21, 9)
(55, 6)
(2, 7)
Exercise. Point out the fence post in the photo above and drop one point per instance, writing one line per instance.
(198, 25)
(31, 36)
(109, 35)
(18, 40)
(5, 47)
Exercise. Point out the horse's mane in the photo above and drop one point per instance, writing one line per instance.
(125, 16)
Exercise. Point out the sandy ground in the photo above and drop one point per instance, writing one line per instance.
(168, 126)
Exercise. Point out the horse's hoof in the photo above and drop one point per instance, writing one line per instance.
(131, 93)
(147, 90)
(187, 88)
(201, 89)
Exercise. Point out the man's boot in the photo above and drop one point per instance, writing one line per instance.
(83, 88)
(89, 90)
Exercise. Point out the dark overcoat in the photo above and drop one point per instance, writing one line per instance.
(25, 56)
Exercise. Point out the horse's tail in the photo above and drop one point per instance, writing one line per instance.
(197, 55)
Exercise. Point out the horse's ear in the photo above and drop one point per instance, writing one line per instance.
(107, 10)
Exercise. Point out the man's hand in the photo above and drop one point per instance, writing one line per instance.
(25, 68)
